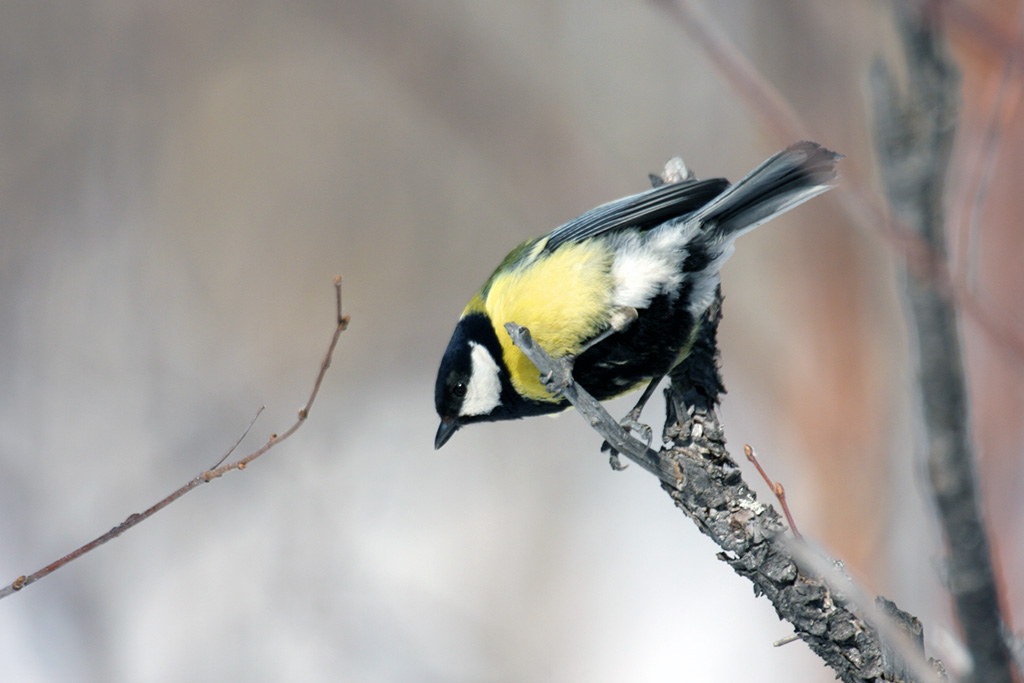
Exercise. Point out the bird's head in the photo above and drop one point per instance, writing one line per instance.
(472, 379)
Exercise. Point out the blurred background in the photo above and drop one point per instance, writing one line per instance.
(179, 184)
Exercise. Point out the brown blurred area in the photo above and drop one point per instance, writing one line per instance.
(989, 246)
(179, 184)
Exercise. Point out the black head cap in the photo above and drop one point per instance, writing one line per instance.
(451, 386)
(473, 338)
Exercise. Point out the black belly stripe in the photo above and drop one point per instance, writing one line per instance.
(648, 348)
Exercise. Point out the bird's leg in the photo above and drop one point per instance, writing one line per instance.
(631, 423)
(632, 419)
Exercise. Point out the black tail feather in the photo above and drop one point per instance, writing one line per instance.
(801, 171)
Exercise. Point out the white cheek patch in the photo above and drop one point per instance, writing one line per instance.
(484, 391)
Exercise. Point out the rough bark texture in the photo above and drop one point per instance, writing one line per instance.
(713, 494)
(706, 484)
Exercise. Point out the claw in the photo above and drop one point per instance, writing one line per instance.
(631, 423)
(615, 462)
(613, 457)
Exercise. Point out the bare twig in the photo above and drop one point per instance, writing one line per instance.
(238, 441)
(213, 473)
(914, 132)
(775, 486)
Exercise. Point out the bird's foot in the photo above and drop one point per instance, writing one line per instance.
(613, 457)
(560, 379)
(631, 423)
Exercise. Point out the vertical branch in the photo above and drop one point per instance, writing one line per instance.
(914, 134)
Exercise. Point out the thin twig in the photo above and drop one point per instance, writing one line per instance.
(207, 476)
(791, 638)
(240, 438)
(775, 486)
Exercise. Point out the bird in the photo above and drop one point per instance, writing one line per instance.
(619, 291)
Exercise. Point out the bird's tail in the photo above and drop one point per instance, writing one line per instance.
(801, 171)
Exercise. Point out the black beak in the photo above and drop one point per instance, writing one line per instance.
(449, 425)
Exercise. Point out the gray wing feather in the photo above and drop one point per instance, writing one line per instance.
(641, 211)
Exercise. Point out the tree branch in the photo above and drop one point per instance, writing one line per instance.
(557, 377)
(914, 132)
(218, 470)
(695, 469)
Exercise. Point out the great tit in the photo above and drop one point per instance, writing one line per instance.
(620, 290)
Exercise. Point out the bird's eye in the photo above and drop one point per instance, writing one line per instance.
(459, 389)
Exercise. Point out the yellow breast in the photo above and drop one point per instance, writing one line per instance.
(563, 298)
